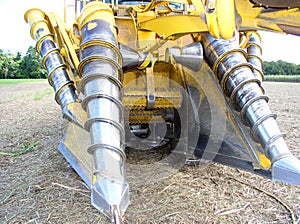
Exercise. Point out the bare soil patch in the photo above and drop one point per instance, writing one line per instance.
(38, 186)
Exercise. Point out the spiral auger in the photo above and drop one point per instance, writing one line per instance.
(243, 87)
(254, 53)
(52, 61)
(101, 71)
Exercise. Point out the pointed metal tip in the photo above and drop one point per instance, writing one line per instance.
(108, 194)
(287, 170)
(190, 56)
(116, 216)
(193, 62)
(75, 114)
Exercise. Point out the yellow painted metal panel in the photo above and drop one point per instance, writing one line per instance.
(169, 26)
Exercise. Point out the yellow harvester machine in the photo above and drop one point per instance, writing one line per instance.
(181, 74)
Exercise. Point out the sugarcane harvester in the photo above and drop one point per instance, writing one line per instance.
(182, 74)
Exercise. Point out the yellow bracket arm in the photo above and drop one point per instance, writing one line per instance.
(61, 31)
(216, 16)
(220, 18)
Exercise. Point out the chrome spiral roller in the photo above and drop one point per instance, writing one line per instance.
(101, 71)
(243, 87)
(58, 77)
(52, 60)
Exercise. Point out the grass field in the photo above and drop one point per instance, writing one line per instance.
(18, 81)
(268, 78)
(282, 78)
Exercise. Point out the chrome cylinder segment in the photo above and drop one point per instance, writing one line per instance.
(239, 83)
(57, 73)
(101, 71)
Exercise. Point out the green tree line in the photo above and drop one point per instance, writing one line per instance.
(30, 66)
(280, 68)
(21, 67)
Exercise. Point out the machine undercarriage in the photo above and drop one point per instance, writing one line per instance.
(186, 76)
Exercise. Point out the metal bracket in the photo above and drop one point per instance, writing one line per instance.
(150, 88)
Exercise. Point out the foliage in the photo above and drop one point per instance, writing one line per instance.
(18, 67)
(280, 68)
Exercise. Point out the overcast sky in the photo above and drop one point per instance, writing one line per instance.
(15, 32)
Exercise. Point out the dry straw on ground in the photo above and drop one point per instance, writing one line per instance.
(38, 186)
